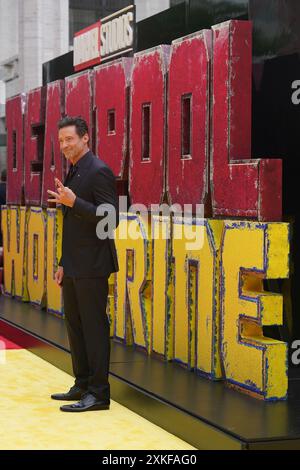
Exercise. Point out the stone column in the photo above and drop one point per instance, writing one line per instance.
(43, 35)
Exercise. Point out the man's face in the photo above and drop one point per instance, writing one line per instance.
(71, 144)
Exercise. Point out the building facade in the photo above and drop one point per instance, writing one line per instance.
(35, 31)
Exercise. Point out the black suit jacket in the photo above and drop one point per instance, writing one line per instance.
(2, 193)
(83, 253)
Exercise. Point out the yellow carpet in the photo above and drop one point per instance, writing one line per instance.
(31, 420)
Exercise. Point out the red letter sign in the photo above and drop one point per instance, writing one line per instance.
(188, 118)
(14, 123)
(148, 97)
(34, 145)
(53, 160)
(78, 98)
(111, 105)
(240, 186)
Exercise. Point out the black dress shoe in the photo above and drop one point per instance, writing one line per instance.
(75, 393)
(87, 403)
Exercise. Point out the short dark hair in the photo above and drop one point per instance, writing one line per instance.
(77, 121)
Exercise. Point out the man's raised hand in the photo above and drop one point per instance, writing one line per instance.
(64, 194)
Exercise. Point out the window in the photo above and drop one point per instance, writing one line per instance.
(146, 116)
(186, 124)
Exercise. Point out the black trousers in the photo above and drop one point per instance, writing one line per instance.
(88, 330)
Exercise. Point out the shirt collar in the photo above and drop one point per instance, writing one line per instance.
(81, 161)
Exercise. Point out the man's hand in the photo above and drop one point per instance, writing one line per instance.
(59, 275)
(64, 194)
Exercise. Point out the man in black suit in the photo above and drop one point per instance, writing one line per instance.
(88, 258)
